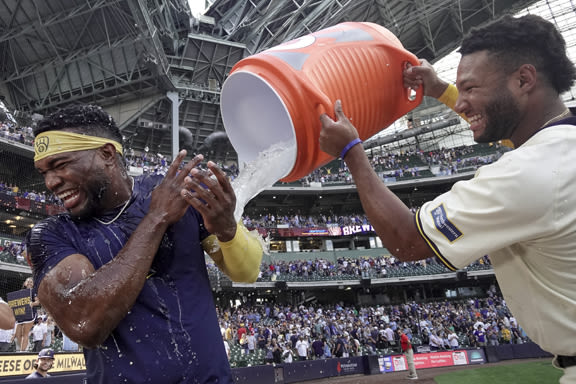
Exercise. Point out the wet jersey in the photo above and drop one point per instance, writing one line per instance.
(171, 335)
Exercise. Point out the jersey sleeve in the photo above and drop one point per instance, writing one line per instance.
(238, 258)
(502, 205)
(47, 244)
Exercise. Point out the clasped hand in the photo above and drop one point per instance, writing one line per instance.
(208, 191)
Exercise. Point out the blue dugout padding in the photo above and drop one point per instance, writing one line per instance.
(514, 351)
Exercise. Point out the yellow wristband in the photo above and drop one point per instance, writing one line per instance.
(449, 96)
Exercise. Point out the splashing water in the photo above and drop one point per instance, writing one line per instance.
(255, 176)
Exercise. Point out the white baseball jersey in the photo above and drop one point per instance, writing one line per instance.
(521, 211)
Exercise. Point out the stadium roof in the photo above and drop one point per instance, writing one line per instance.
(126, 55)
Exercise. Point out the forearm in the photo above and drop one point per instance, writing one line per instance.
(89, 306)
(238, 258)
(391, 219)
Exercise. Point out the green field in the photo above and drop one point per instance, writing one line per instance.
(521, 373)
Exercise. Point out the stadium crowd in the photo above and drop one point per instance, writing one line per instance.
(283, 333)
(393, 164)
(12, 131)
(312, 332)
(348, 268)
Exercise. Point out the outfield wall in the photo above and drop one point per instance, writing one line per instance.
(69, 367)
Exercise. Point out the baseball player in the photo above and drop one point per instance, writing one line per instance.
(520, 210)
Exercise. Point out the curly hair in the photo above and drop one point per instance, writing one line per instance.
(81, 118)
(529, 39)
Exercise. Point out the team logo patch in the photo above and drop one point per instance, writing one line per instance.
(41, 144)
(445, 226)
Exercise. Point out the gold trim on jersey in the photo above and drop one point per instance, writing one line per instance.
(431, 244)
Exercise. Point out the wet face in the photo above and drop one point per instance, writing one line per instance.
(486, 99)
(78, 179)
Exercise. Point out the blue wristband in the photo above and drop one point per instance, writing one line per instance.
(348, 146)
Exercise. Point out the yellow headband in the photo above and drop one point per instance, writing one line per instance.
(54, 142)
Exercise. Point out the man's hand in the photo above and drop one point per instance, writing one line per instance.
(425, 76)
(211, 194)
(167, 201)
(335, 135)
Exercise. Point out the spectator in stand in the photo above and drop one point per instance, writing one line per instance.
(241, 331)
(50, 328)
(226, 346)
(318, 348)
(340, 346)
(251, 341)
(39, 334)
(287, 353)
(302, 347)
(453, 340)
(276, 352)
(243, 343)
(480, 336)
(509, 89)
(505, 334)
(435, 341)
(493, 336)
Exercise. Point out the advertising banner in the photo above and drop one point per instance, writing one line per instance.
(433, 360)
(476, 356)
(23, 364)
(386, 364)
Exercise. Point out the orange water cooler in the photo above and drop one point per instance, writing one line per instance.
(278, 94)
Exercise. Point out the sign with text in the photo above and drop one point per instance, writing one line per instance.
(13, 365)
(433, 360)
(20, 302)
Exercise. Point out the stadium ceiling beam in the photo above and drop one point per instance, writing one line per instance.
(426, 27)
(322, 12)
(85, 7)
(292, 23)
(457, 18)
(233, 20)
(103, 96)
(95, 79)
(394, 16)
(74, 56)
(203, 59)
(151, 40)
(161, 13)
(274, 14)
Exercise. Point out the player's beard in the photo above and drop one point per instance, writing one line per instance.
(502, 117)
(95, 189)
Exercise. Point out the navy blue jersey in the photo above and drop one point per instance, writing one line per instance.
(36, 375)
(171, 335)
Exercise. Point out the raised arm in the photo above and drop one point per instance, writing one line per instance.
(392, 220)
